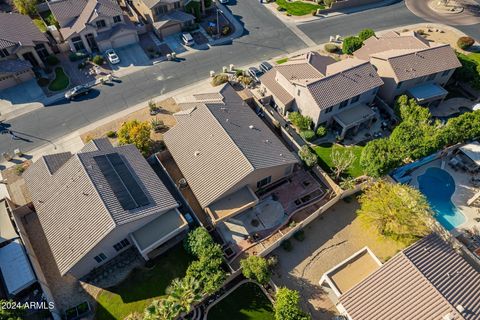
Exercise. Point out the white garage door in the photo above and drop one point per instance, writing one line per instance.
(124, 40)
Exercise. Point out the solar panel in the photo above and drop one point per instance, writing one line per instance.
(121, 181)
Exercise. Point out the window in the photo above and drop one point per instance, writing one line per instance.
(100, 258)
(343, 104)
(41, 51)
(177, 5)
(101, 24)
(399, 85)
(445, 73)
(78, 43)
(264, 182)
(161, 10)
(122, 244)
(355, 99)
(431, 77)
(117, 19)
(328, 110)
(4, 53)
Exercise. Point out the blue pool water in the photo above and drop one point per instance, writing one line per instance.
(438, 186)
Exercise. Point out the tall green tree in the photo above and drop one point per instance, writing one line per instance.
(208, 269)
(396, 211)
(137, 133)
(378, 157)
(287, 305)
(11, 313)
(342, 159)
(365, 34)
(185, 292)
(307, 156)
(164, 309)
(351, 44)
(256, 268)
(197, 241)
(26, 7)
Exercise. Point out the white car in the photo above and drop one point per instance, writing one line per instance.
(187, 39)
(112, 56)
(223, 1)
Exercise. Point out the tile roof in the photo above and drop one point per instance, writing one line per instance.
(18, 29)
(426, 281)
(15, 65)
(66, 11)
(152, 3)
(117, 28)
(217, 145)
(268, 80)
(76, 205)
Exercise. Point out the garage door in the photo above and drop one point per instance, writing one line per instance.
(167, 31)
(124, 40)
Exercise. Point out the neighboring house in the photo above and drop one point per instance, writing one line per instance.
(22, 47)
(226, 152)
(94, 204)
(428, 280)
(166, 16)
(408, 63)
(93, 25)
(328, 91)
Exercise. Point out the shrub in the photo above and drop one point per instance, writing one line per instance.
(365, 34)
(19, 169)
(194, 7)
(465, 42)
(321, 131)
(52, 60)
(287, 306)
(420, 32)
(219, 79)
(307, 156)
(75, 56)
(287, 245)
(238, 72)
(256, 268)
(300, 121)
(331, 48)
(329, 3)
(43, 82)
(226, 30)
(137, 133)
(307, 135)
(111, 134)
(157, 125)
(245, 80)
(98, 60)
(152, 107)
(351, 44)
(197, 240)
(299, 235)
(26, 7)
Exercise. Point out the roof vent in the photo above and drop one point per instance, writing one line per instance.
(448, 316)
(251, 126)
(196, 153)
(460, 308)
(226, 120)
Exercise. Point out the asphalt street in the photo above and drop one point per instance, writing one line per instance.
(265, 37)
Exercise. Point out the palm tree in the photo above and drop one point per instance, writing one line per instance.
(165, 309)
(185, 292)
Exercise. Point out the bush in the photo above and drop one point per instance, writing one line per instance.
(98, 60)
(197, 240)
(307, 135)
(300, 121)
(287, 245)
(420, 32)
(111, 134)
(226, 30)
(351, 44)
(256, 268)
(219, 79)
(76, 56)
(331, 48)
(43, 82)
(321, 131)
(194, 7)
(299, 235)
(365, 34)
(52, 60)
(19, 169)
(238, 72)
(157, 125)
(287, 306)
(465, 42)
(245, 80)
(136, 133)
(329, 3)
(307, 156)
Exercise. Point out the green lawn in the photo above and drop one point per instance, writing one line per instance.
(298, 8)
(60, 82)
(136, 292)
(280, 61)
(474, 56)
(247, 302)
(323, 152)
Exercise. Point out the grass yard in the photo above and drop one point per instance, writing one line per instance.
(474, 57)
(136, 292)
(298, 8)
(280, 61)
(247, 302)
(60, 82)
(324, 151)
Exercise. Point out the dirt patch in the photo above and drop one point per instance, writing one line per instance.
(15, 184)
(167, 108)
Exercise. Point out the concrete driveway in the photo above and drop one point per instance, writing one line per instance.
(132, 58)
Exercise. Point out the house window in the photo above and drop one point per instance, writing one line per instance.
(343, 104)
(355, 99)
(264, 182)
(177, 5)
(122, 244)
(399, 85)
(445, 73)
(4, 53)
(101, 24)
(431, 77)
(41, 51)
(78, 43)
(161, 10)
(100, 258)
(329, 109)
(117, 19)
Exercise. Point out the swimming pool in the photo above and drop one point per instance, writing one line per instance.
(438, 186)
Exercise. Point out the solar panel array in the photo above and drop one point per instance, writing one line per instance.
(121, 181)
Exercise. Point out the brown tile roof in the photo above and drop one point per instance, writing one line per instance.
(426, 281)
(76, 205)
(66, 11)
(268, 80)
(215, 147)
(18, 30)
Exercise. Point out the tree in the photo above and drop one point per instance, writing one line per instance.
(26, 7)
(462, 128)
(307, 156)
(197, 241)
(256, 268)
(351, 44)
(465, 42)
(378, 158)
(11, 313)
(184, 292)
(287, 306)
(300, 121)
(365, 34)
(208, 271)
(321, 131)
(396, 211)
(136, 133)
(164, 309)
(342, 159)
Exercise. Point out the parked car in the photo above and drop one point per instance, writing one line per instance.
(77, 91)
(223, 1)
(187, 39)
(254, 73)
(112, 56)
(265, 66)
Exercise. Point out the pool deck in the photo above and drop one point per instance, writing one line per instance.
(463, 192)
